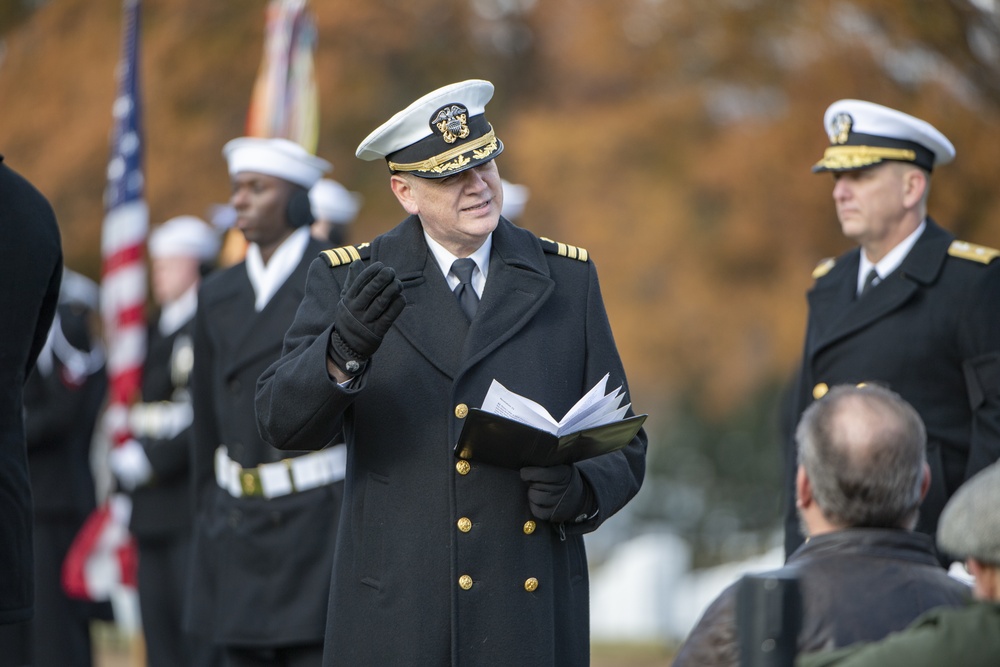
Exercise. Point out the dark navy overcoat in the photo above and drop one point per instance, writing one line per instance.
(440, 561)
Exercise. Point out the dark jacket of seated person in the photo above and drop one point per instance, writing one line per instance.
(863, 573)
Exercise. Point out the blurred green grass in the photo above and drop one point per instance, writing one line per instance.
(631, 654)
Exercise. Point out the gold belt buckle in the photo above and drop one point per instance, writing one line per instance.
(250, 482)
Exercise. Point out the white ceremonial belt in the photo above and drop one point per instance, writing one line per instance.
(271, 480)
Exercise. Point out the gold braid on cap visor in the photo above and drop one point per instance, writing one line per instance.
(452, 159)
(854, 157)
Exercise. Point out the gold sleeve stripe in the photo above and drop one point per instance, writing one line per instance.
(971, 251)
(345, 255)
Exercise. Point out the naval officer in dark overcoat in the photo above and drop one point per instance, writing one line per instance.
(31, 264)
(265, 520)
(911, 307)
(443, 560)
(63, 399)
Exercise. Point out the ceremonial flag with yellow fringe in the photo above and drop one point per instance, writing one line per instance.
(285, 101)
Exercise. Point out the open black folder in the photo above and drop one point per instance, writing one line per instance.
(496, 440)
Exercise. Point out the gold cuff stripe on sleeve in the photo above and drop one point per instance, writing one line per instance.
(850, 157)
(345, 255)
(432, 163)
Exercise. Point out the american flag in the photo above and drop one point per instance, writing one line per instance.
(101, 564)
(126, 221)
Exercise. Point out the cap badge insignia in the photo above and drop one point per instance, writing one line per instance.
(451, 123)
(840, 128)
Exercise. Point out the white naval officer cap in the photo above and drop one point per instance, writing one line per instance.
(443, 133)
(281, 158)
(514, 198)
(332, 201)
(184, 236)
(863, 134)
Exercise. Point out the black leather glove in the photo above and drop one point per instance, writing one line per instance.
(557, 494)
(371, 301)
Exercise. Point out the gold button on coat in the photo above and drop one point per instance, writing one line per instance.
(463, 467)
(465, 524)
(530, 584)
(461, 410)
(529, 527)
(465, 582)
(819, 391)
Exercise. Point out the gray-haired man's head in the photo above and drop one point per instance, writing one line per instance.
(863, 450)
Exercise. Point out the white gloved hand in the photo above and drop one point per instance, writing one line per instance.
(130, 465)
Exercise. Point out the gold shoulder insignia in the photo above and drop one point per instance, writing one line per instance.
(823, 268)
(973, 252)
(564, 249)
(346, 254)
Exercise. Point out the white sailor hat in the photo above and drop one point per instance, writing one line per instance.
(184, 236)
(77, 288)
(332, 201)
(514, 199)
(863, 134)
(443, 133)
(281, 158)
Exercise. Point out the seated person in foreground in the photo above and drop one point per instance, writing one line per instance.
(862, 572)
(969, 528)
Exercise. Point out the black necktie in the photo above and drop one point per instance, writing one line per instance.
(869, 282)
(464, 292)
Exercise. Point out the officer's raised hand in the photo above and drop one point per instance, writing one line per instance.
(371, 301)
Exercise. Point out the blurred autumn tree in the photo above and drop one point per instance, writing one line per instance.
(673, 140)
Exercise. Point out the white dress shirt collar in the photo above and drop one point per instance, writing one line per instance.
(268, 278)
(892, 259)
(445, 259)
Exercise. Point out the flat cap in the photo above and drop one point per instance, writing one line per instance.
(443, 133)
(281, 158)
(863, 134)
(969, 525)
